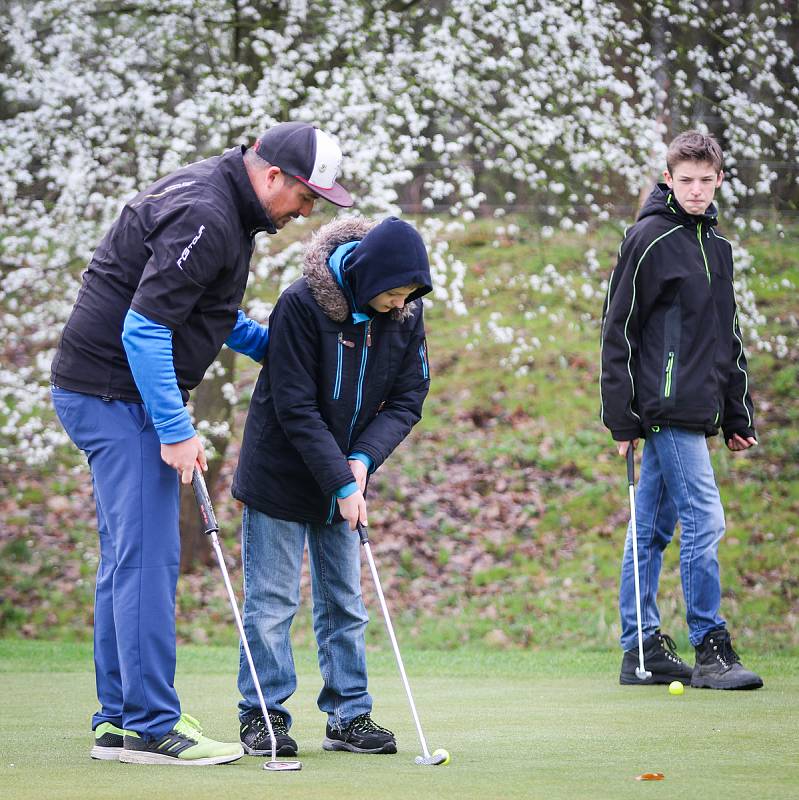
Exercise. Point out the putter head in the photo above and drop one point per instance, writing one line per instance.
(642, 674)
(434, 760)
(283, 766)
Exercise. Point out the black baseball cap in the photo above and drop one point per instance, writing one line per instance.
(307, 154)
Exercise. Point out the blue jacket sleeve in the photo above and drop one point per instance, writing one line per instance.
(248, 337)
(148, 346)
(346, 491)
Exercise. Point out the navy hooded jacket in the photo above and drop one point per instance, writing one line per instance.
(672, 352)
(333, 387)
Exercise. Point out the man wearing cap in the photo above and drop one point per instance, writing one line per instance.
(159, 298)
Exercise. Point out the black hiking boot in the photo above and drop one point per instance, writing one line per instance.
(660, 658)
(362, 735)
(719, 667)
(254, 735)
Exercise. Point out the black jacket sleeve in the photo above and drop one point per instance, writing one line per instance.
(292, 365)
(619, 347)
(403, 406)
(739, 412)
(188, 249)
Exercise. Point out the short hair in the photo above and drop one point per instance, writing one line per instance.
(695, 146)
(254, 161)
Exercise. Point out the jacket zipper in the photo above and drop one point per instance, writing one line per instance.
(669, 367)
(367, 343)
(704, 257)
(342, 343)
(425, 371)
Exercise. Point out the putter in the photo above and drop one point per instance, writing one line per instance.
(211, 528)
(640, 671)
(438, 757)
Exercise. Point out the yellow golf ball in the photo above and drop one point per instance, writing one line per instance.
(442, 752)
(675, 687)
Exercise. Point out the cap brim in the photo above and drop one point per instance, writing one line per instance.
(336, 194)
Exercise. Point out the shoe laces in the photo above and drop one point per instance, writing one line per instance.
(365, 724)
(670, 647)
(278, 723)
(189, 727)
(723, 649)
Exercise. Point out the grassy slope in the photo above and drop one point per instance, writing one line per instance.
(518, 725)
(502, 518)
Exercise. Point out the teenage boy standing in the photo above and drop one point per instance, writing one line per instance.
(674, 372)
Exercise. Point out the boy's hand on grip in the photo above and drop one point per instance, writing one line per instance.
(622, 447)
(353, 509)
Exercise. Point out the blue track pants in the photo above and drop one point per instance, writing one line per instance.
(138, 503)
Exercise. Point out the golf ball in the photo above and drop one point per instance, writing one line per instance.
(675, 687)
(442, 752)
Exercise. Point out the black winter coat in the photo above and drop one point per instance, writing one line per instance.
(330, 388)
(672, 351)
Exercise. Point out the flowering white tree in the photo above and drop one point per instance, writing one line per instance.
(466, 104)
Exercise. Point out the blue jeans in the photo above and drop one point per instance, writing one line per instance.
(138, 502)
(272, 551)
(676, 483)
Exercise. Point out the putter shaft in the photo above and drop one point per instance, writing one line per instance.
(390, 628)
(212, 528)
(641, 672)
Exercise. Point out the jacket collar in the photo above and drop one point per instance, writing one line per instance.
(662, 201)
(253, 216)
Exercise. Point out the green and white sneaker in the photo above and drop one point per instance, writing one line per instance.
(184, 745)
(107, 742)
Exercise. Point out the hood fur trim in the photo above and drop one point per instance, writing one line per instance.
(323, 286)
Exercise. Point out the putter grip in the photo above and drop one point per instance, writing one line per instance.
(630, 464)
(204, 502)
(363, 534)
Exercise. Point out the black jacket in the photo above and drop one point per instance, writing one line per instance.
(179, 254)
(672, 352)
(330, 387)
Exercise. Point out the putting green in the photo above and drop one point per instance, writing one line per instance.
(517, 724)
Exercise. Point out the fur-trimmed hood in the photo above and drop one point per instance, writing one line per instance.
(321, 281)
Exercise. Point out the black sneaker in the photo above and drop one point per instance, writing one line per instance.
(254, 735)
(362, 735)
(719, 667)
(660, 658)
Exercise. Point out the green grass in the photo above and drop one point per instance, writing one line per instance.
(543, 725)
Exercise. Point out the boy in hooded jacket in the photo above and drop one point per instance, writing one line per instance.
(673, 372)
(345, 381)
